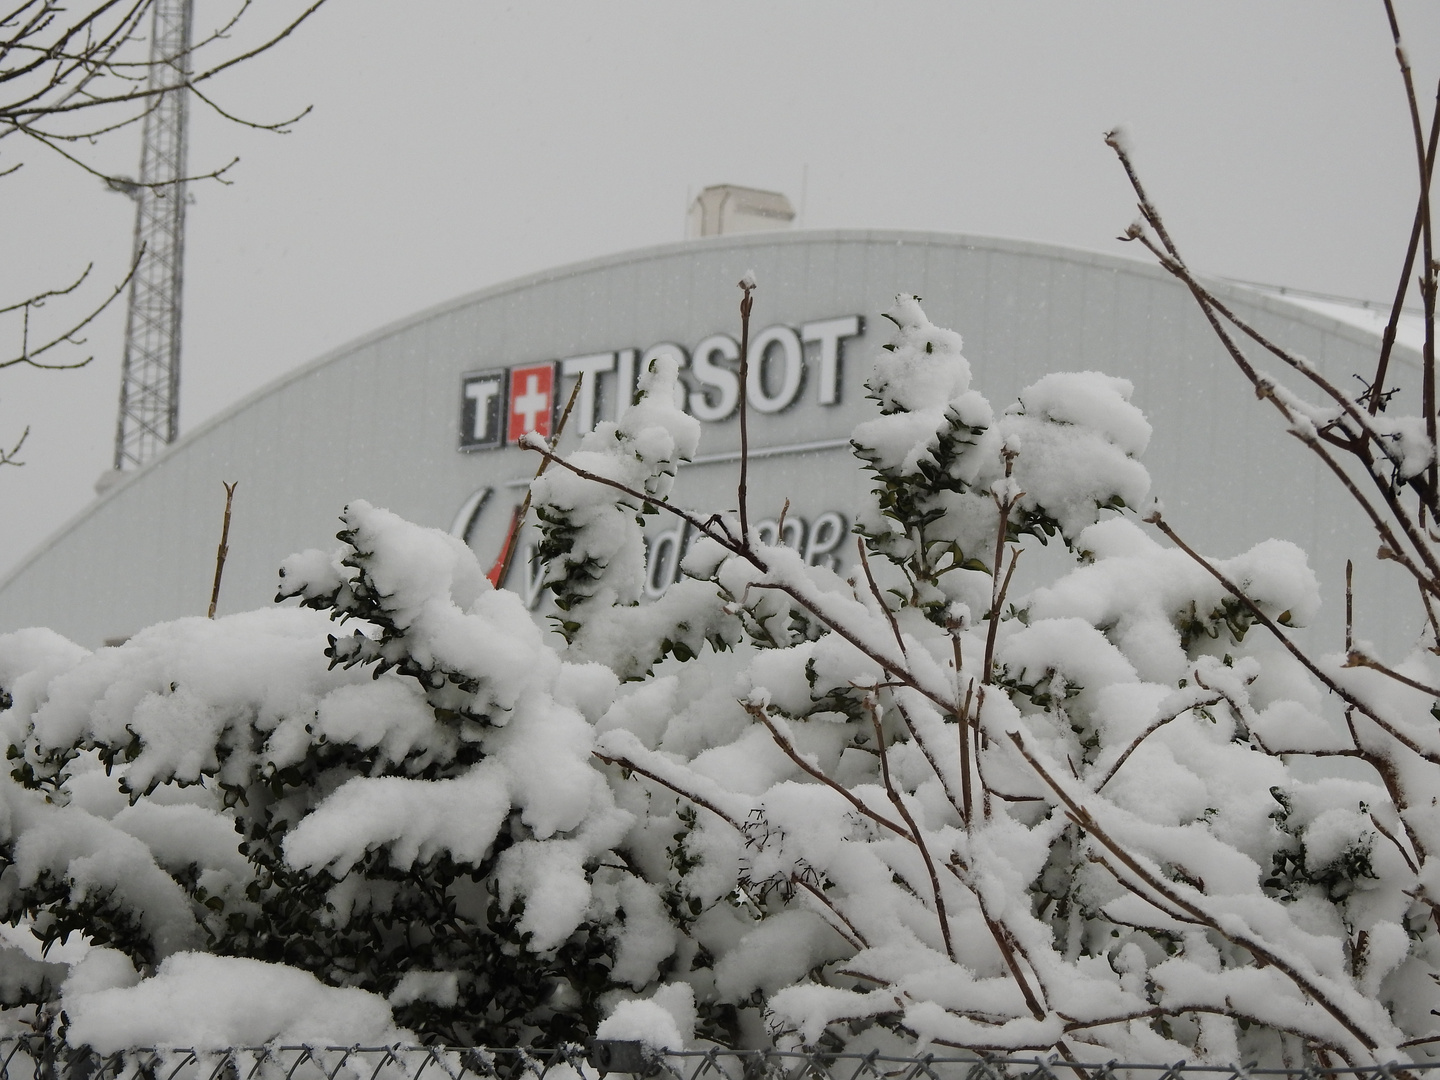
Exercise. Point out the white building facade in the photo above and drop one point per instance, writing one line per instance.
(422, 416)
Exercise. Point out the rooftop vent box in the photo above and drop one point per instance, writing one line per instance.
(727, 208)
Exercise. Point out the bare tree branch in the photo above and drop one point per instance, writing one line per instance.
(1432, 756)
(96, 62)
(1376, 393)
(1171, 898)
(28, 355)
(1301, 426)
(1153, 727)
(71, 76)
(1426, 163)
(9, 457)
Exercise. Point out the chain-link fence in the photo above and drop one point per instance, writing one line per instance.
(35, 1058)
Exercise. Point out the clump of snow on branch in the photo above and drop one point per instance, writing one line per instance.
(1078, 437)
(215, 1002)
(664, 1021)
(592, 538)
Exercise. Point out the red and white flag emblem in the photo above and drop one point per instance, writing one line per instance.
(532, 401)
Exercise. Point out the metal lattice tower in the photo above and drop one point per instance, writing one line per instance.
(150, 377)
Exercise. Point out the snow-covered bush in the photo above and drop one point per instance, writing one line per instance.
(916, 804)
(778, 805)
(418, 818)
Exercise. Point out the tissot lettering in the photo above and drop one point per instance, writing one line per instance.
(624, 381)
(788, 366)
(588, 370)
(480, 410)
(719, 390)
(777, 347)
(483, 393)
(829, 333)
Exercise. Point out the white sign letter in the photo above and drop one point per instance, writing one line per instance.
(721, 380)
(580, 366)
(829, 332)
(482, 392)
(624, 382)
(792, 356)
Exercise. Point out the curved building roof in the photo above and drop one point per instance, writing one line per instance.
(383, 418)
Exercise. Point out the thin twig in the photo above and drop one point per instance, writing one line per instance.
(966, 733)
(1213, 308)
(11, 456)
(1383, 831)
(853, 937)
(879, 598)
(1349, 605)
(1356, 658)
(1392, 326)
(1303, 430)
(1180, 1009)
(1169, 892)
(38, 300)
(746, 302)
(873, 708)
(1350, 635)
(891, 667)
(27, 355)
(224, 548)
(531, 441)
(789, 751)
(1284, 639)
(1007, 950)
(1153, 727)
(84, 61)
(930, 757)
(279, 127)
(700, 801)
(987, 676)
(1427, 265)
(51, 142)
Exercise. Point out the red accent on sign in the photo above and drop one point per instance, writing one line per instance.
(532, 401)
(501, 569)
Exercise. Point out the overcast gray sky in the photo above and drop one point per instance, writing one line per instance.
(455, 144)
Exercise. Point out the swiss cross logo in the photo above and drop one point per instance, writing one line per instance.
(532, 401)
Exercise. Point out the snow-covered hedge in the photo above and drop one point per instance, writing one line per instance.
(777, 806)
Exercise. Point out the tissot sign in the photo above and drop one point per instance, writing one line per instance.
(794, 369)
(788, 365)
